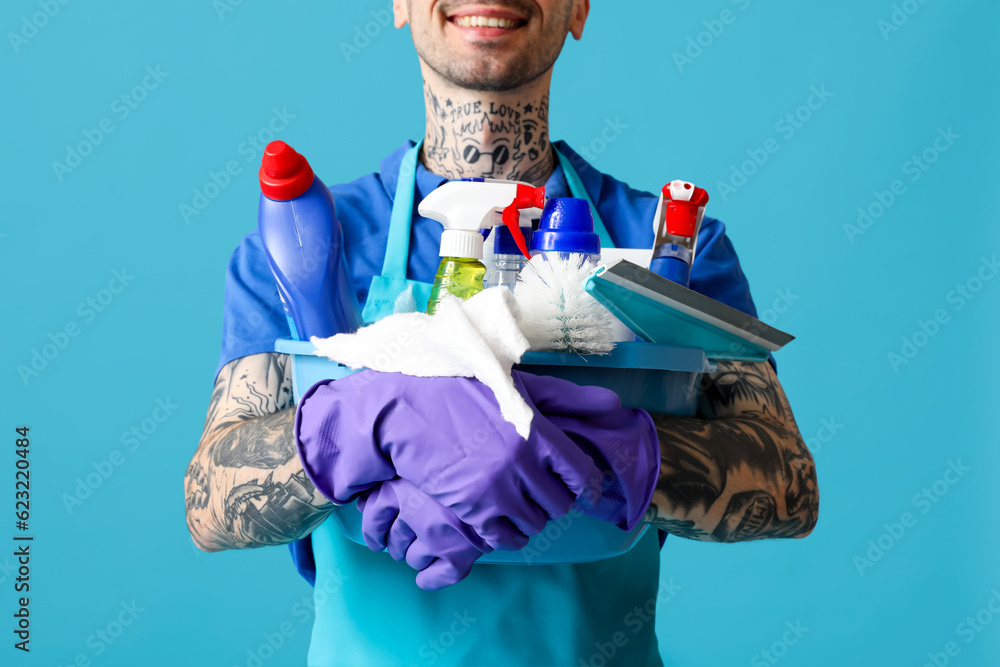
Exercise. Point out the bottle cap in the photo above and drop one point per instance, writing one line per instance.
(567, 225)
(284, 174)
(461, 243)
(685, 205)
(504, 242)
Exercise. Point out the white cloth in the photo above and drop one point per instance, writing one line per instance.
(480, 338)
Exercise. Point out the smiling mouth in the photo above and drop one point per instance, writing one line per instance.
(480, 21)
(488, 21)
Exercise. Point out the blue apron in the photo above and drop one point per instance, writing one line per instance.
(387, 287)
(369, 611)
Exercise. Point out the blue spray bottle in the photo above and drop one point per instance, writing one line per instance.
(304, 242)
(676, 223)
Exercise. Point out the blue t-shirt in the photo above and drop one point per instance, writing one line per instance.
(368, 610)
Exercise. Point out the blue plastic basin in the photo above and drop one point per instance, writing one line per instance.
(658, 378)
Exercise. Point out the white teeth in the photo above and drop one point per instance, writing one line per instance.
(484, 22)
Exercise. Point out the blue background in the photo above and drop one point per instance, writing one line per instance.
(850, 301)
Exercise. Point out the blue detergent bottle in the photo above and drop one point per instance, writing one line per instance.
(566, 233)
(304, 243)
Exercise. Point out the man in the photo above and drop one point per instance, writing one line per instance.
(738, 471)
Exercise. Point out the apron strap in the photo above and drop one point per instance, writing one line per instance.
(577, 190)
(397, 250)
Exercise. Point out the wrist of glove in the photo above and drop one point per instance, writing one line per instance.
(623, 443)
(626, 448)
(340, 472)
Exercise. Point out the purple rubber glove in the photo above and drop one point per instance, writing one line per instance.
(445, 436)
(401, 518)
(623, 442)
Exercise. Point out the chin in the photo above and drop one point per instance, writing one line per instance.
(491, 72)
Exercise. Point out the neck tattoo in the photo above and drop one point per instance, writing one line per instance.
(472, 137)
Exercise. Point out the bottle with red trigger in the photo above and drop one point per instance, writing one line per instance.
(675, 225)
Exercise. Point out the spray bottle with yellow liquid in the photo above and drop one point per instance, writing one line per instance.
(464, 208)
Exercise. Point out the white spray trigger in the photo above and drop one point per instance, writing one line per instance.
(681, 190)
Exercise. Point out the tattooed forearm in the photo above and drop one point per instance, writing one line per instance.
(468, 137)
(198, 489)
(678, 527)
(743, 472)
(245, 486)
(247, 388)
(263, 446)
(743, 390)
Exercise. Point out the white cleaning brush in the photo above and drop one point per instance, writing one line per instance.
(557, 314)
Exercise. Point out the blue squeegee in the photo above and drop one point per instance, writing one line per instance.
(661, 311)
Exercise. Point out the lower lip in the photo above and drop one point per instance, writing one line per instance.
(478, 31)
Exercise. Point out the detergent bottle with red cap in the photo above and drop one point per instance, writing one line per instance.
(304, 242)
(464, 208)
(675, 224)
